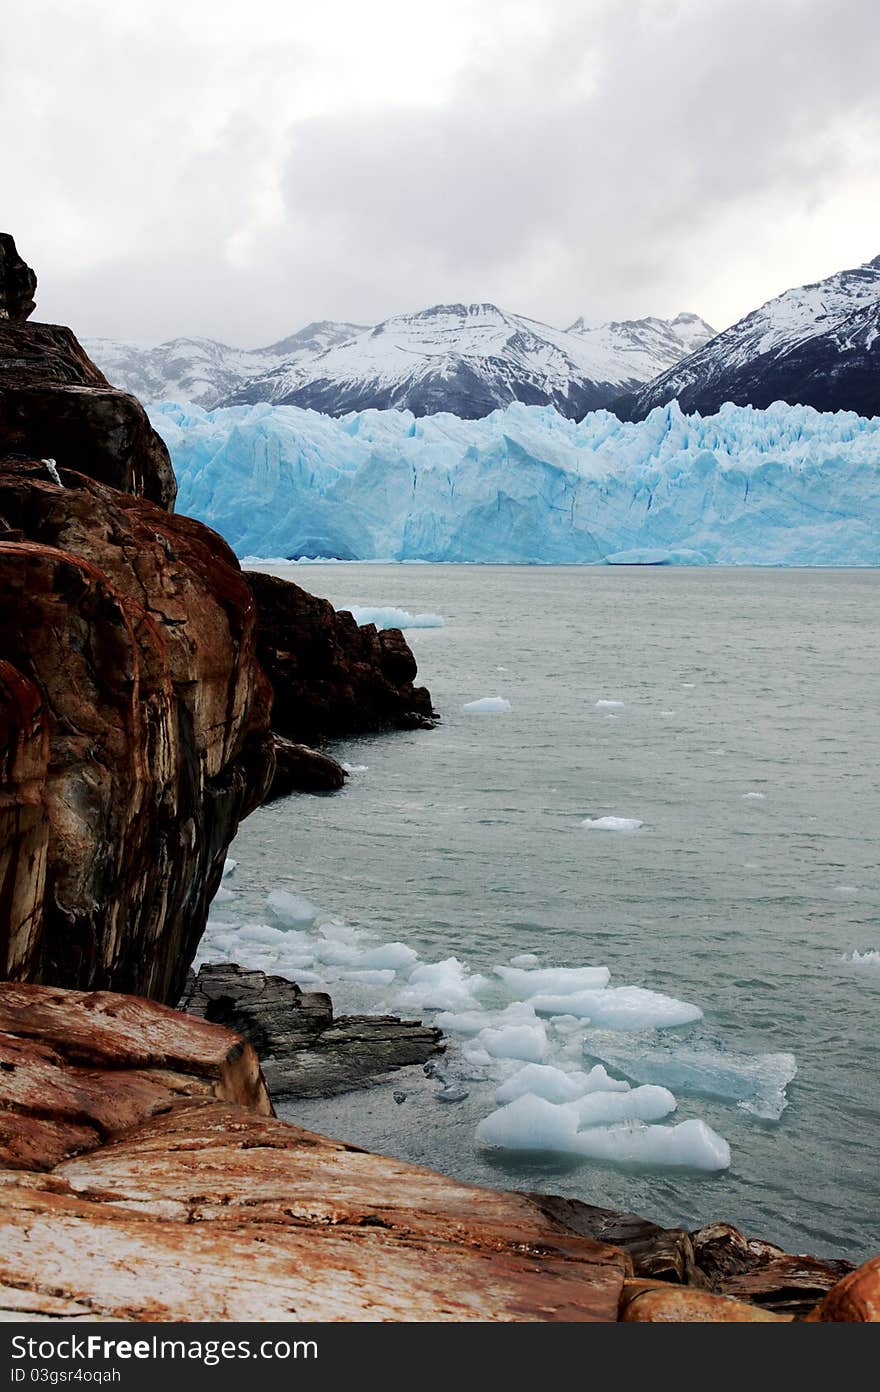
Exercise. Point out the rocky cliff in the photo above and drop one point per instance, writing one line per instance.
(135, 713)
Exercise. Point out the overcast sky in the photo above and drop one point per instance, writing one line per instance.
(237, 169)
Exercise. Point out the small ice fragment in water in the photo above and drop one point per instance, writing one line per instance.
(558, 980)
(612, 823)
(446, 985)
(621, 1008)
(291, 909)
(228, 867)
(667, 712)
(355, 768)
(526, 1042)
(846, 889)
(754, 796)
(452, 1092)
(869, 959)
(525, 959)
(487, 705)
(554, 1085)
(533, 1124)
(609, 705)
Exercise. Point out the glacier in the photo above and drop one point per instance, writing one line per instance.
(787, 485)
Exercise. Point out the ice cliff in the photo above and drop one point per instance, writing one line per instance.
(783, 486)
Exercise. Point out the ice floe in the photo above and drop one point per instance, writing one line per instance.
(525, 982)
(869, 959)
(609, 705)
(487, 705)
(389, 617)
(755, 1082)
(611, 823)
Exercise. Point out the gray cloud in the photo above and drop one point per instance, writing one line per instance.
(610, 159)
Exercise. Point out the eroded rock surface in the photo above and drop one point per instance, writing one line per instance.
(135, 630)
(305, 1051)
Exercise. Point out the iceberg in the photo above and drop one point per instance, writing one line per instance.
(788, 485)
(390, 617)
(487, 705)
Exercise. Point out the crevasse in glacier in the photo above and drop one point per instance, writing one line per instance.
(784, 486)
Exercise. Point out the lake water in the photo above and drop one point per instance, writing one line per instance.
(467, 841)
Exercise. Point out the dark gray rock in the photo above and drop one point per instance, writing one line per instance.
(299, 769)
(304, 1051)
(18, 283)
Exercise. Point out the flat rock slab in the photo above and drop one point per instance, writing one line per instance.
(305, 1051)
(78, 1067)
(151, 1227)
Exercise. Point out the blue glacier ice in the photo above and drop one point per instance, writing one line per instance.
(784, 486)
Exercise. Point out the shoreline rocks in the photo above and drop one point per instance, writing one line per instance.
(143, 1177)
(304, 1050)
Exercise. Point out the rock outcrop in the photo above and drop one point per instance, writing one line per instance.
(716, 1259)
(140, 1165)
(18, 283)
(300, 769)
(55, 404)
(134, 725)
(331, 678)
(305, 1051)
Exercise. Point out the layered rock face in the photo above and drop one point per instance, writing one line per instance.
(17, 282)
(332, 678)
(135, 719)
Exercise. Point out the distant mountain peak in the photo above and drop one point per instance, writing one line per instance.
(465, 358)
(814, 345)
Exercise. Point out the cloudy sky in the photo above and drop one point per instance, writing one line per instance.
(236, 170)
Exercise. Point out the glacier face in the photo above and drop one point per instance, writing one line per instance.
(783, 486)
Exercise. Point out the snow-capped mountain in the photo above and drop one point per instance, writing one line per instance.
(465, 359)
(202, 370)
(817, 345)
(784, 486)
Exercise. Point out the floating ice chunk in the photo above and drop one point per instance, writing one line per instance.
(667, 712)
(355, 768)
(756, 1082)
(446, 985)
(389, 617)
(463, 1022)
(869, 959)
(846, 889)
(754, 797)
(555, 1085)
(291, 909)
(531, 1123)
(228, 866)
(556, 980)
(612, 823)
(525, 959)
(620, 1007)
(223, 896)
(603, 1108)
(527, 1042)
(609, 705)
(368, 978)
(475, 1055)
(487, 705)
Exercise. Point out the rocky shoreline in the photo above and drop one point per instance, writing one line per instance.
(151, 696)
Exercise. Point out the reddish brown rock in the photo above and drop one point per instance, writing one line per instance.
(757, 1271)
(659, 1303)
(17, 282)
(24, 820)
(855, 1299)
(77, 1068)
(331, 678)
(55, 404)
(137, 629)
